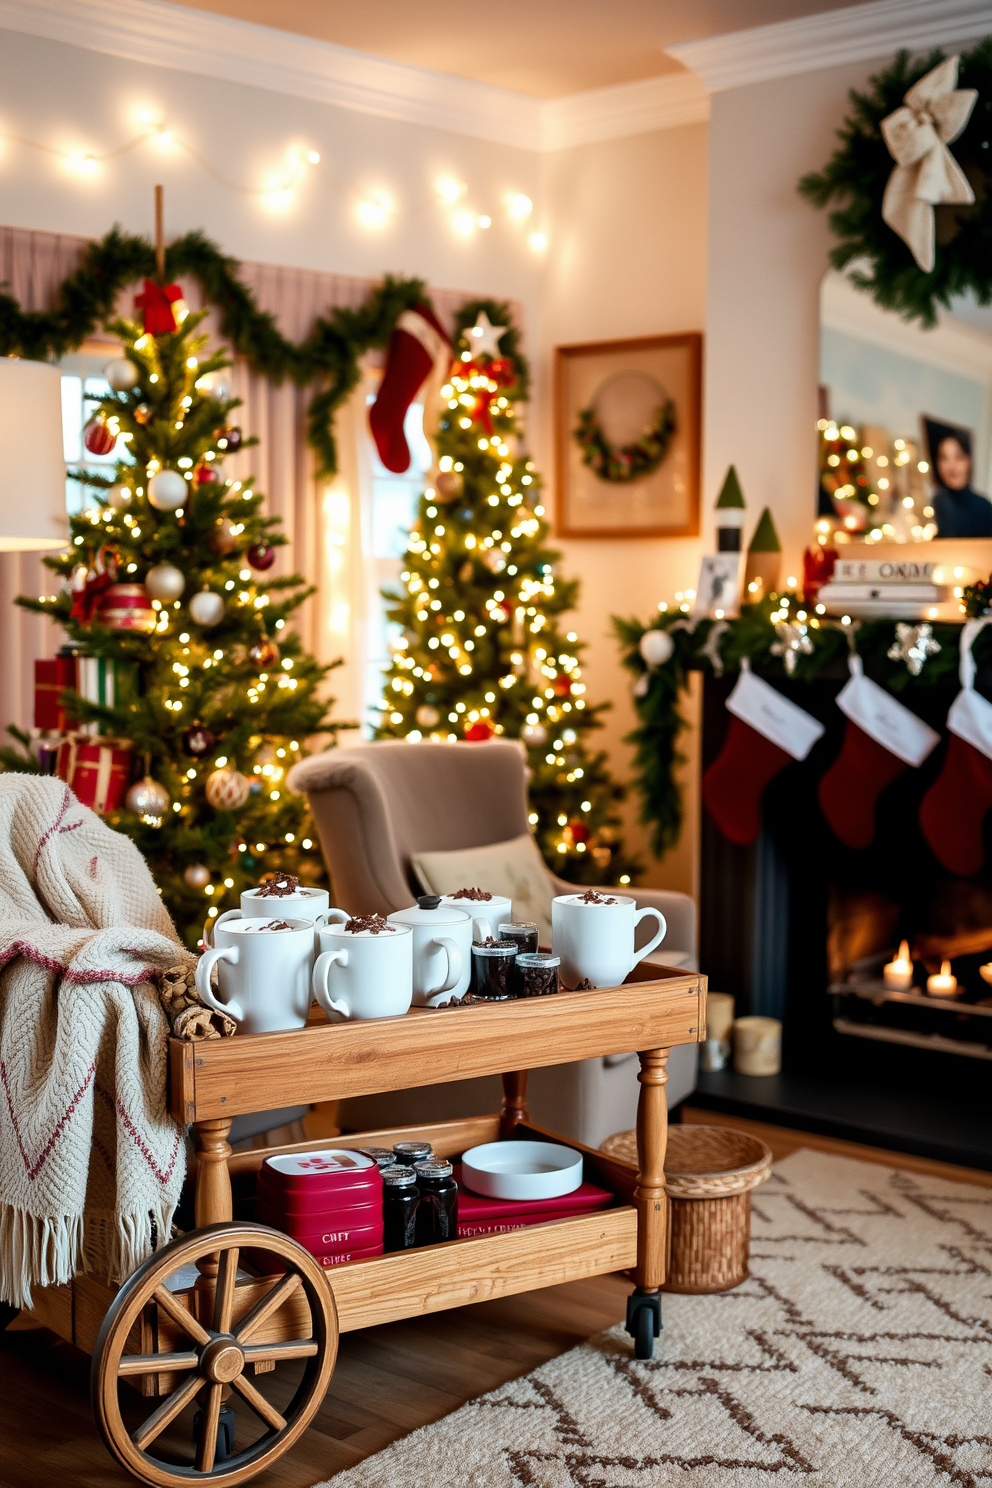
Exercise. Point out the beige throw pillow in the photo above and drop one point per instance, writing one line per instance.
(514, 868)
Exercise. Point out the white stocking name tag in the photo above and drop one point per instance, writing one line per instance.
(882, 718)
(773, 716)
(970, 715)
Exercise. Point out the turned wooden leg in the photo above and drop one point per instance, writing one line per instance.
(649, 1195)
(213, 1204)
(514, 1101)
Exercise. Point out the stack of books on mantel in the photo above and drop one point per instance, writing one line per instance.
(902, 588)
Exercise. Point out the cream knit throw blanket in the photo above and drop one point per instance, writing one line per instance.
(91, 1163)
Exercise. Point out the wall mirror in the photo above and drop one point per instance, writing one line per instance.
(905, 419)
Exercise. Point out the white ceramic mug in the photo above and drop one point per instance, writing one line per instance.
(361, 974)
(485, 913)
(263, 976)
(304, 904)
(442, 950)
(595, 938)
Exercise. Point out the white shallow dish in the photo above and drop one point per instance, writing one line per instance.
(522, 1170)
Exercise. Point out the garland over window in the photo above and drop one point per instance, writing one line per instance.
(328, 358)
(853, 184)
(630, 461)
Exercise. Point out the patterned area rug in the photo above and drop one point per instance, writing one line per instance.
(859, 1354)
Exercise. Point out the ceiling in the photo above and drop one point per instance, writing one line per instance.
(545, 48)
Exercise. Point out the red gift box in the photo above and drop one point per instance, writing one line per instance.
(51, 679)
(98, 770)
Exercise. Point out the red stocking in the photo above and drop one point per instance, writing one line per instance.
(953, 809)
(852, 785)
(417, 344)
(733, 784)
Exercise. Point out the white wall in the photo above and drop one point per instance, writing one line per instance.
(627, 225)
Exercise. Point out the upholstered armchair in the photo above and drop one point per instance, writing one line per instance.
(379, 807)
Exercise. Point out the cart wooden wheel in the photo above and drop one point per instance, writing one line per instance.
(213, 1365)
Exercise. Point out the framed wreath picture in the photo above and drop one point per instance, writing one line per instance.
(627, 417)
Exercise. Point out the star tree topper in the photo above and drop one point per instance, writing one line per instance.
(485, 336)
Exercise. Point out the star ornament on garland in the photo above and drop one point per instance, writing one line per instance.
(792, 643)
(485, 336)
(913, 644)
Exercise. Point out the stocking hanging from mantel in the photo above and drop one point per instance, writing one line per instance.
(882, 739)
(953, 810)
(766, 732)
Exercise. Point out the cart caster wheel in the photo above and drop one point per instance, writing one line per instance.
(644, 1322)
(226, 1422)
(206, 1338)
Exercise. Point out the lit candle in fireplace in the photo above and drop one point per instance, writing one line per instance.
(942, 984)
(985, 972)
(898, 974)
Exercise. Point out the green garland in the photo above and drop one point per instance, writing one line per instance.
(329, 356)
(630, 461)
(698, 646)
(854, 181)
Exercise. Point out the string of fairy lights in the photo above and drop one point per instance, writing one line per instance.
(374, 208)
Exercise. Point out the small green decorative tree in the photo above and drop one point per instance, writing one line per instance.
(164, 583)
(483, 650)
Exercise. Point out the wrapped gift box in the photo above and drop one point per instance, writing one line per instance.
(98, 770)
(51, 679)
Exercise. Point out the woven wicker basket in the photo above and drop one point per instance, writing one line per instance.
(709, 1174)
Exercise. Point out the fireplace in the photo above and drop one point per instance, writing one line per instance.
(799, 927)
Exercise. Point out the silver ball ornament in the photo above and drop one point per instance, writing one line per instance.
(149, 800)
(196, 876)
(167, 491)
(534, 734)
(655, 646)
(206, 608)
(119, 496)
(121, 374)
(226, 789)
(427, 716)
(165, 582)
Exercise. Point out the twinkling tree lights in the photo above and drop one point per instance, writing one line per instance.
(222, 696)
(483, 651)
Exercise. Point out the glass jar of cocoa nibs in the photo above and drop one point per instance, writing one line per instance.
(437, 1214)
(523, 934)
(536, 974)
(400, 1204)
(492, 969)
(383, 1157)
(411, 1152)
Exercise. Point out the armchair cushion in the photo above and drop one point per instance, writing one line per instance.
(514, 868)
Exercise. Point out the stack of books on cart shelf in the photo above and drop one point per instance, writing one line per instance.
(867, 588)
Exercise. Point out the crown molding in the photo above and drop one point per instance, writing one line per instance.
(830, 39)
(166, 35)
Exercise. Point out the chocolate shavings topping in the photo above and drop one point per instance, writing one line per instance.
(278, 887)
(375, 924)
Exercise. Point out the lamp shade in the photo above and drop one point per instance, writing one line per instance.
(32, 468)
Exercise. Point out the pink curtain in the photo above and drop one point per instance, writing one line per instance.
(32, 265)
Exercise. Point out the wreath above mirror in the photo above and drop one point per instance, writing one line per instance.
(853, 184)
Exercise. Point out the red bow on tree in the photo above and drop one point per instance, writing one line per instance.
(156, 301)
(500, 370)
(94, 582)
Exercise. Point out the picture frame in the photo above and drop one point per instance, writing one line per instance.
(611, 399)
(718, 586)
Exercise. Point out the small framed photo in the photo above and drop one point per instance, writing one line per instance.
(627, 417)
(718, 589)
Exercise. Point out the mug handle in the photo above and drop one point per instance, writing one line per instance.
(205, 966)
(318, 982)
(454, 959)
(211, 925)
(662, 932)
(482, 930)
(332, 917)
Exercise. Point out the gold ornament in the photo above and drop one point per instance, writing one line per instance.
(149, 800)
(196, 876)
(227, 789)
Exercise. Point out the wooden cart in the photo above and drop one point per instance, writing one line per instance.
(204, 1323)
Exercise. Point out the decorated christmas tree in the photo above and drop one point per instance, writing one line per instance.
(203, 695)
(484, 650)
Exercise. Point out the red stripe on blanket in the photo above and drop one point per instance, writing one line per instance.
(162, 1174)
(56, 829)
(34, 1168)
(78, 978)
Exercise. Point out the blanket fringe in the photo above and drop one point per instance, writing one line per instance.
(50, 1251)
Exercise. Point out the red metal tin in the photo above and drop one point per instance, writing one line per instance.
(330, 1179)
(315, 1208)
(332, 1239)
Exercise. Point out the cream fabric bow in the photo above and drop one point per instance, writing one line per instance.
(935, 112)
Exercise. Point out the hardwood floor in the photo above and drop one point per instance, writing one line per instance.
(388, 1380)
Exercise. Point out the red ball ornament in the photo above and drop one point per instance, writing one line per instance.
(97, 436)
(261, 556)
(264, 654)
(229, 440)
(205, 475)
(198, 740)
(562, 687)
(579, 831)
(477, 733)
